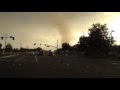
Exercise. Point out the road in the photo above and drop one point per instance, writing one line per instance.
(30, 65)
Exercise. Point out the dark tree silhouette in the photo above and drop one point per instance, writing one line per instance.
(9, 47)
(83, 42)
(99, 39)
(16, 50)
(23, 49)
(38, 49)
(0, 47)
(98, 42)
(66, 46)
(76, 47)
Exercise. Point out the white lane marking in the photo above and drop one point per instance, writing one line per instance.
(36, 60)
(19, 59)
(9, 56)
(33, 53)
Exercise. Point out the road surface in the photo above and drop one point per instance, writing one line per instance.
(30, 65)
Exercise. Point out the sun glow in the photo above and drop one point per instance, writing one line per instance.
(115, 25)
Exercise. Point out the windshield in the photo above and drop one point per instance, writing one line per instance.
(59, 44)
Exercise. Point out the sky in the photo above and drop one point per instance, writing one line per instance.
(48, 27)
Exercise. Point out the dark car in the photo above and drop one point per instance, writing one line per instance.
(50, 53)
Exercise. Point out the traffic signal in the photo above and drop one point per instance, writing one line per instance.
(48, 46)
(13, 38)
(34, 44)
(2, 37)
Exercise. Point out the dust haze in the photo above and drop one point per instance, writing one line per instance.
(62, 26)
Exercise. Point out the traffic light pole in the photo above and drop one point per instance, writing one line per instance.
(6, 39)
(57, 44)
(47, 45)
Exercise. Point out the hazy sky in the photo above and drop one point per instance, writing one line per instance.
(48, 27)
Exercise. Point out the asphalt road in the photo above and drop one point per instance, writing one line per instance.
(30, 65)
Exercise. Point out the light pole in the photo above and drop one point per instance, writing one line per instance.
(6, 38)
(20, 45)
(112, 32)
(111, 35)
(57, 44)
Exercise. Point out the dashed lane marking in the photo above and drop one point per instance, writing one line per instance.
(9, 56)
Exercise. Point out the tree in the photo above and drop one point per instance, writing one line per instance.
(38, 49)
(15, 50)
(76, 47)
(66, 46)
(0, 47)
(23, 49)
(99, 39)
(83, 43)
(9, 47)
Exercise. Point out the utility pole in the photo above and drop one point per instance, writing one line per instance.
(5, 40)
(57, 44)
(20, 45)
(111, 35)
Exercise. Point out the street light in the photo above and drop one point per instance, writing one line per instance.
(112, 32)
(111, 35)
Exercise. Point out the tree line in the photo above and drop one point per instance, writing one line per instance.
(99, 42)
